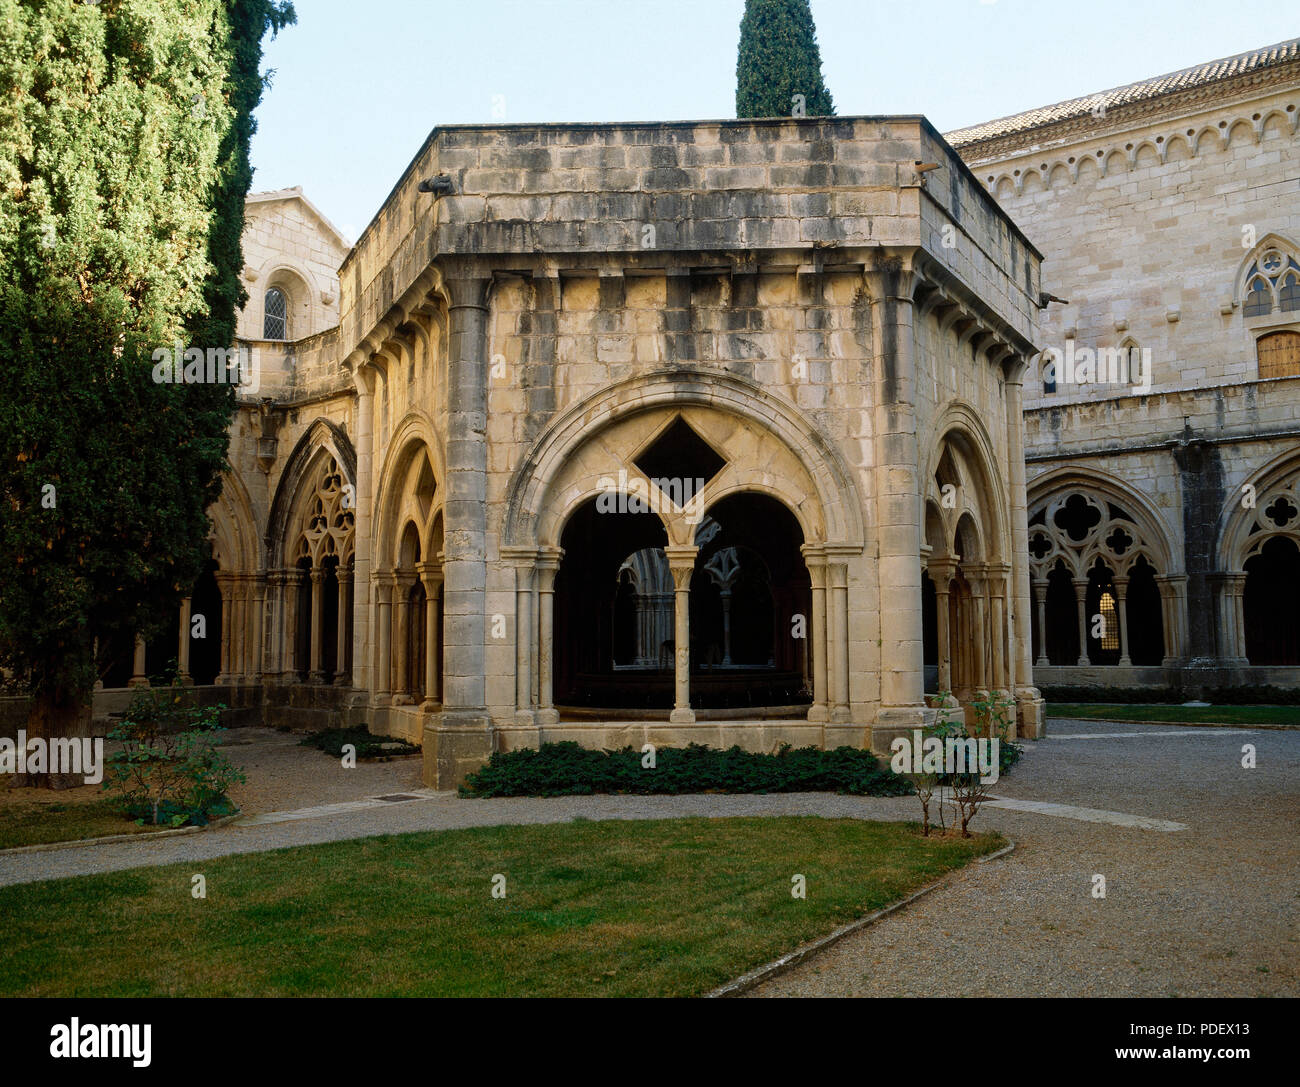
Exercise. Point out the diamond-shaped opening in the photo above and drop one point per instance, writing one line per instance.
(679, 455)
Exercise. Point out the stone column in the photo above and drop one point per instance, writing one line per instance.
(725, 596)
(681, 561)
(838, 575)
(977, 575)
(224, 584)
(524, 561)
(402, 620)
(1040, 600)
(139, 677)
(1121, 584)
(1000, 680)
(239, 629)
(362, 561)
(289, 640)
(183, 645)
(259, 627)
(1030, 720)
(279, 611)
(941, 574)
(317, 675)
(343, 653)
(896, 459)
(431, 578)
(382, 679)
(1232, 628)
(815, 560)
(465, 511)
(1171, 595)
(1081, 601)
(548, 565)
(461, 737)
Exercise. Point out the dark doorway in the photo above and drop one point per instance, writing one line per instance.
(599, 542)
(205, 651)
(751, 599)
(1271, 602)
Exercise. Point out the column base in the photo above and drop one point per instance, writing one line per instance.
(841, 715)
(316, 679)
(527, 718)
(1031, 717)
(895, 721)
(137, 682)
(430, 706)
(455, 744)
(185, 680)
(548, 717)
(403, 700)
(681, 716)
(818, 713)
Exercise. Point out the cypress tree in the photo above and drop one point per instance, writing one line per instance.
(778, 60)
(124, 165)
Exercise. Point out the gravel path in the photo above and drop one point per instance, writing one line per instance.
(1212, 910)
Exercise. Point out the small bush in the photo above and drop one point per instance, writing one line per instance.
(332, 741)
(567, 769)
(168, 770)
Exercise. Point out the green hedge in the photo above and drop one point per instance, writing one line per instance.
(1176, 696)
(566, 769)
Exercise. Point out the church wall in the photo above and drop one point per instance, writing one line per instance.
(1147, 219)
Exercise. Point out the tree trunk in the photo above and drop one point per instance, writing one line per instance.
(55, 716)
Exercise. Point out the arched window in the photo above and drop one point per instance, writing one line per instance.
(1049, 376)
(275, 325)
(1259, 300)
(1288, 298)
(1110, 634)
(1279, 354)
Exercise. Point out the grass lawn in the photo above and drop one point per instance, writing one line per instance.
(36, 822)
(1184, 715)
(618, 908)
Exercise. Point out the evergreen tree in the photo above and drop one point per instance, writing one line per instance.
(124, 142)
(778, 60)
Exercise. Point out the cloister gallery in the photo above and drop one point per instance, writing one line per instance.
(707, 432)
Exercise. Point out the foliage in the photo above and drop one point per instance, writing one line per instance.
(1260, 695)
(965, 790)
(124, 132)
(331, 741)
(566, 769)
(168, 769)
(778, 59)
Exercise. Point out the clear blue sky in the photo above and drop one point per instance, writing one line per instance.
(359, 83)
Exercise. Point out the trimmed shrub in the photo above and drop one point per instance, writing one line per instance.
(567, 769)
